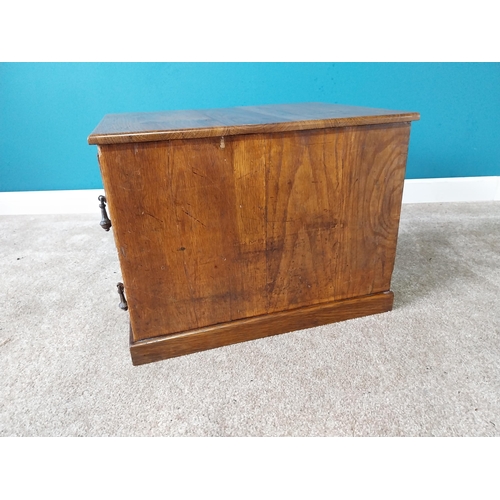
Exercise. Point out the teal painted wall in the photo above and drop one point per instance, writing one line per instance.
(47, 110)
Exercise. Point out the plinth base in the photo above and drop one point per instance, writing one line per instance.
(210, 337)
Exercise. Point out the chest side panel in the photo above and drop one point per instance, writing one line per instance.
(208, 234)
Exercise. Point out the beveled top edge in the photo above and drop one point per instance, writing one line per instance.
(186, 124)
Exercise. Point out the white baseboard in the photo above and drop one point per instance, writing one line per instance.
(81, 201)
(454, 189)
(84, 201)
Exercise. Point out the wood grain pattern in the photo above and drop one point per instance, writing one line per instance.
(188, 124)
(257, 327)
(210, 231)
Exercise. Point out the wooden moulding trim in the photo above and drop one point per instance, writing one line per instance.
(210, 337)
(198, 133)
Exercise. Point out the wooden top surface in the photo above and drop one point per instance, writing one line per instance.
(187, 124)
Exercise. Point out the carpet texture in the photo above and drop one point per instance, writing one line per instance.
(430, 367)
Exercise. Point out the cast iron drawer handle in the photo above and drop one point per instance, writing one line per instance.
(123, 300)
(105, 222)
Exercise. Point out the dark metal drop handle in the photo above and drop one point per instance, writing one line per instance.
(105, 222)
(123, 300)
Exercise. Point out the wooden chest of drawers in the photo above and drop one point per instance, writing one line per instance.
(240, 223)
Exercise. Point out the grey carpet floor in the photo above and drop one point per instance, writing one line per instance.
(430, 367)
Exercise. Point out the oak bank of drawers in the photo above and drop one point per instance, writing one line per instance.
(239, 223)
